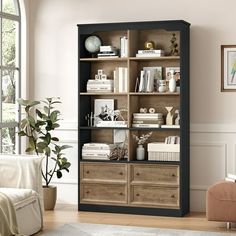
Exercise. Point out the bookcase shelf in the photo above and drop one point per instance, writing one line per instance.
(129, 185)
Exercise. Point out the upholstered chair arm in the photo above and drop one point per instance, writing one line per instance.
(21, 171)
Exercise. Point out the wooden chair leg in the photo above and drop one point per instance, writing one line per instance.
(228, 225)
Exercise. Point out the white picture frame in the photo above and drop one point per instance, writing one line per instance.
(168, 71)
(103, 110)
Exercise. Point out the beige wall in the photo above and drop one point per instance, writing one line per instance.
(53, 68)
(53, 57)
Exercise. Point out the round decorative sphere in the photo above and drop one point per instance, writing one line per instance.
(92, 44)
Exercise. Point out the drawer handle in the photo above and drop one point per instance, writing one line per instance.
(137, 174)
(121, 194)
(137, 194)
(173, 196)
(121, 173)
(87, 172)
(173, 175)
(87, 192)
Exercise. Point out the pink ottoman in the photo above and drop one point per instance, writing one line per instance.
(221, 202)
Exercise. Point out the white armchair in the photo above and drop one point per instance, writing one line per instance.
(21, 181)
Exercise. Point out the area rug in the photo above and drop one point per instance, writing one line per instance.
(84, 229)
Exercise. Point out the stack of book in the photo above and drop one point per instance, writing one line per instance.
(152, 120)
(102, 86)
(108, 52)
(231, 178)
(150, 53)
(163, 152)
(120, 75)
(97, 151)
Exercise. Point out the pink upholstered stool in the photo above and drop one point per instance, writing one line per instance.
(221, 202)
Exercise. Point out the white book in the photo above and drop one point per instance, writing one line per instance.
(95, 82)
(116, 80)
(142, 84)
(98, 144)
(107, 48)
(123, 79)
(96, 152)
(146, 125)
(170, 126)
(155, 51)
(94, 158)
(123, 46)
(150, 81)
(149, 55)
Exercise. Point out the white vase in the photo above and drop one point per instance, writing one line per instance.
(172, 84)
(140, 152)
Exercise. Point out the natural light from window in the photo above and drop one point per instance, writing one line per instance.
(10, 75)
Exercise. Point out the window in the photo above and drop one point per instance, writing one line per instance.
(10, 72)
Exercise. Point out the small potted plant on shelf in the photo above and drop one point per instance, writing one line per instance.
(140, 151)
(38, 126)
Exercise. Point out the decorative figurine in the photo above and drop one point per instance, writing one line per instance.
(169, 117)
(173, 48)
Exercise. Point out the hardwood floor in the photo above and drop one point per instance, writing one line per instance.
(68, 214)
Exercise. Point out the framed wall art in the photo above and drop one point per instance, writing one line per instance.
(228, 68)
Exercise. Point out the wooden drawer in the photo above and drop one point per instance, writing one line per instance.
(103, 172)
(103, 193)
(155, 173)
(155, 196)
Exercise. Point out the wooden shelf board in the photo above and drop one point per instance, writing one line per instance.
(155, 94)
(154, 58)
(154, 129)
(108, 94)
(94, 128)
(155, 162)
(104, 59)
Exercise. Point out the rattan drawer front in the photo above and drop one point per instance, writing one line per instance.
(155, 196)
(103, 172)
(155, 173)
(103, 193)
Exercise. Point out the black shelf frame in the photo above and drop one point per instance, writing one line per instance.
(83, 66)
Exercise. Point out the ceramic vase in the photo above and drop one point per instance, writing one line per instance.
(172, 84)
(162, 86)
(140, 152)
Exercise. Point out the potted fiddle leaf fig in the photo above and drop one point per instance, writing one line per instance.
(38, 126)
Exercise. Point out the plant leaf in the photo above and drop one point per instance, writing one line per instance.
(55, 139)
(59, 174)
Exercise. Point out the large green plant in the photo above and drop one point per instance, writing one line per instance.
(38, 127)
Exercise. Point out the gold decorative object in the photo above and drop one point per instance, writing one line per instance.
(149, 45)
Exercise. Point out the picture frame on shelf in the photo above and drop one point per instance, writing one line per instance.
(228, 68)
(103, 110)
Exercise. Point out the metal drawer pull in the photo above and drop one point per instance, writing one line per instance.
(173, 175)
(137, 194)
(173, 196)
(121, 173)
(121, 194)
(87, 192)
(87, 172)
(137, 174)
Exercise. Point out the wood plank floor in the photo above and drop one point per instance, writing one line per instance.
(68, 214)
